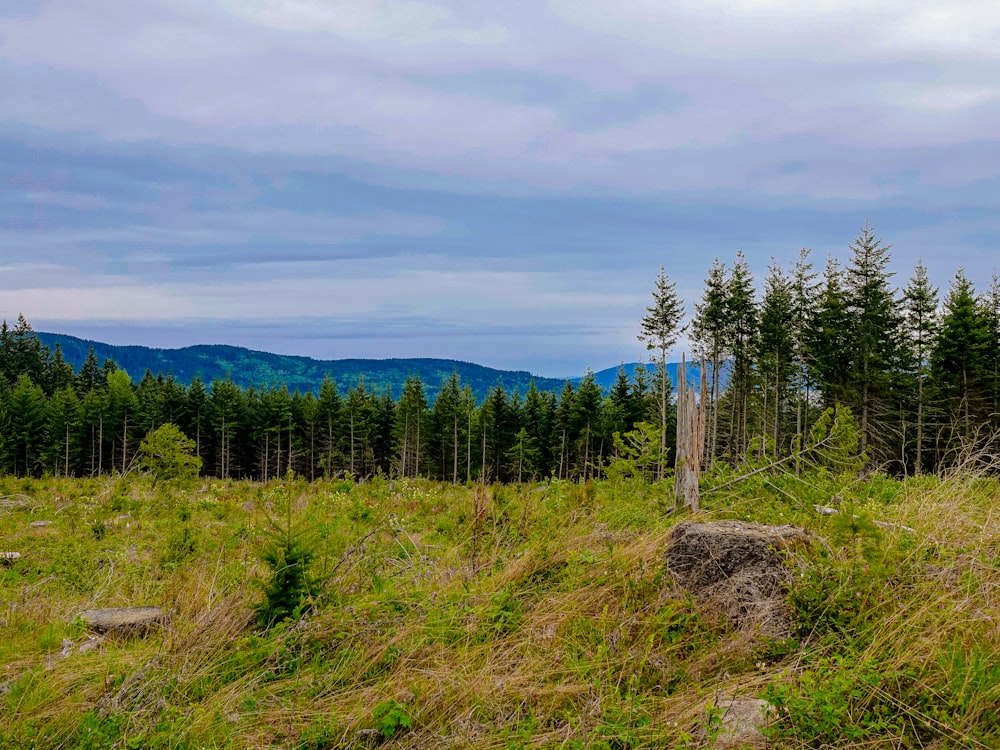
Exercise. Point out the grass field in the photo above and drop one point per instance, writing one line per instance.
(491, 617)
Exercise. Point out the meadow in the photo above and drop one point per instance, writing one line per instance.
(519, 616)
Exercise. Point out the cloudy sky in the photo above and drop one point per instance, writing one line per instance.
(494, 182)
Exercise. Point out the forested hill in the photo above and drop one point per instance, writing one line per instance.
(246, 367)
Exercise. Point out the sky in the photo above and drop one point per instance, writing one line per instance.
(490, 182)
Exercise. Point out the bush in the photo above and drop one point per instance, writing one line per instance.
(168, 454)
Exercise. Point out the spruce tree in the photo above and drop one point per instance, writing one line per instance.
(873, 334)
(805, 290)
(709, 334)
(410, 432)
(741, 317)
(920, 328)
(959, 361)
(827, 337)
(660, 329)
(775, 351)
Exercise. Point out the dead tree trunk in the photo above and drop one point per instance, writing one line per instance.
(690, 440)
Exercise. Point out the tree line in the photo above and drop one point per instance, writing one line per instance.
(920, 373)
(89, 422)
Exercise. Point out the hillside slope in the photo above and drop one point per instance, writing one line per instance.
(247, 367)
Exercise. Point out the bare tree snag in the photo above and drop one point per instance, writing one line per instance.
(690, 440)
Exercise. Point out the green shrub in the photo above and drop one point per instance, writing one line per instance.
(391, 717)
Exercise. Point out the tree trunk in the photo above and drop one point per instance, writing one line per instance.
(690, 440)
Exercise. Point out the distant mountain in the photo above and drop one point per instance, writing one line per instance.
(246, 367)
(606, 378)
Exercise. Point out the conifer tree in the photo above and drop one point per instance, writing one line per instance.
(960, 358)
(740, 337)
(709, 334)
(873, 333)
(920, 328)
(409, 431)
(660, 329)
(537, 416)
(776, 351)
(58, 372)
(62, 440)
(827, 337)
(448, 424)
(805, 290)
(991, 307)
(90, 377)
(585, 424)
(329, 407)
(25, 420)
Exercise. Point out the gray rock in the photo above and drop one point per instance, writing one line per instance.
(125, 620)
(39, 524)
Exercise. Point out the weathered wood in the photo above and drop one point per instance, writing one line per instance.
(9, 557)
(135, 620)
(690, 439)
(39, 524)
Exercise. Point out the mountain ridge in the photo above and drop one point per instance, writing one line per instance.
(260, 369)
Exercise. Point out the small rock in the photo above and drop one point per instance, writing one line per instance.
(124, 620)
(5, 687)
(368, 736)
(39, 524)
(92, 644)
(742, 721)
(8, 558)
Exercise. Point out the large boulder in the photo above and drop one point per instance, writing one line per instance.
(739, 568)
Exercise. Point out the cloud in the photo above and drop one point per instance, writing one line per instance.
(440, 173)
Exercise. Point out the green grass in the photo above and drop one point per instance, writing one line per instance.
(496, 617)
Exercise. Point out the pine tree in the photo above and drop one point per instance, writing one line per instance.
(537, 417)
(90, 377)
(329, 417)
(805, 290)
(359, 418)
(740, 337)
(58, 372)
(709, 334)
(776, 351)
(873, 333)
(920, 328)
(122, 408)
(991, 307)
(660, 329)
(25, 422)
(62, 439)
(410, 431)
(827, 338)
(227, 413)
(959, 361)
(448, 427)
(585, 423)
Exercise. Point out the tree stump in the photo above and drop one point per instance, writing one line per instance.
(736, 567)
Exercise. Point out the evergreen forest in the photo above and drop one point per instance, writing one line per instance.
(918, 367)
